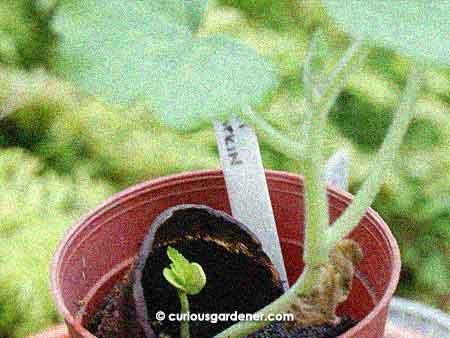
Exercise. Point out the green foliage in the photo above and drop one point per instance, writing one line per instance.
(126, 146)
(35, 211)
(25, 35)
(416, 28)
(152, 51)
(184, 275)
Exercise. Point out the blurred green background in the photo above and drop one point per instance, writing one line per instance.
(63, 152)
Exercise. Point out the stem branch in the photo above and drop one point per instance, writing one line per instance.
(382, 163)
(353, 57)
(319, 101)
(280, 142)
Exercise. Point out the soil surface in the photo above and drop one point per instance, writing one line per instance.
(117, 318)
(287, 330)
(240, 278)
(240, 282)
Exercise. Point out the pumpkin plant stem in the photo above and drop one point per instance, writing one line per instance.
(277, 140)
(326, 94)
(319, 100)
(320, 97)
(319, 238)
(382, 164)
(184, 325)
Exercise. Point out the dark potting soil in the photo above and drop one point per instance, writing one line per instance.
(240, 278)
(117, 318)
(230, 288)
(231, 285)
(287, 330)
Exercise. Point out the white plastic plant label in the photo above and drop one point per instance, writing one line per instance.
(337, 170)
(247, 186)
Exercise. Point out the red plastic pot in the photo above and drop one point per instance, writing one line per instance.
(59, 331)
(391, 332)
(97, 251)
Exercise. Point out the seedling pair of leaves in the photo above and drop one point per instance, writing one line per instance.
(188, 278)
(185, 276)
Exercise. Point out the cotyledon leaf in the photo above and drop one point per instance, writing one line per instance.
(148, 50)
(185, 276)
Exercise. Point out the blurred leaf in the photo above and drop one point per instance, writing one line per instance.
(416, 28)
(128, 51)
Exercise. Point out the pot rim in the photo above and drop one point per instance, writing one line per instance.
(194, 175)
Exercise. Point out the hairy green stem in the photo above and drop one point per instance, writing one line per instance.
(319, 101)
(321, 98)
(316, 204)
(184, 325)
(316, 215)
(329, 90)
(382, 164)
(322, 95)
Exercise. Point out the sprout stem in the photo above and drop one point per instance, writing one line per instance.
(184, 325)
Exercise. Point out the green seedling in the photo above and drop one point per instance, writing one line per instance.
(188, 278)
